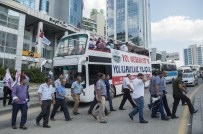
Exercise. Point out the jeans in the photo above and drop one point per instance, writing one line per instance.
(160, 106)
(23, 108)
(139, 108)
(46, 105)
(62, 103)
(110, 102)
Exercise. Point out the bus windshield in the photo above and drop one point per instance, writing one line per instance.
(72, 45)
(155, 67)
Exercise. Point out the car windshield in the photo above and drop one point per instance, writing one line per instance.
(72, 45)
(187, 75)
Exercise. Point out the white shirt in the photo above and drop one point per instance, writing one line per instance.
(46, 91)
(124, 48)
(138, 88)
(126, 82)
(57, 83)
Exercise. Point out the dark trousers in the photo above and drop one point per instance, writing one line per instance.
(110, 102)
(177, 100)
(62, 103)
(46, 105)
(55, 100)
(158, 104)
(23, 108)
(126, 96)
(165, 103)
(93, 104)
(7, 91)
(28, 95)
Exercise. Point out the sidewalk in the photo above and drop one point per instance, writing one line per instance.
(197, 120)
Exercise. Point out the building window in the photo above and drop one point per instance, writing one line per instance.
(44, 5)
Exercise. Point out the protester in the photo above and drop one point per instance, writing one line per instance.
(124, 47)
(106, 81)
(20, 99)
(98, 41)
(91, 44)
(157, 92)
(126, 89)
(57, 82)
(110, 45)
(7, 87)
(76, 90)
(138, 96)
(101, 98)
(46, 96)
(101, 45)
(163, 85)
(178, 90)
(24, 74)
(61, 101)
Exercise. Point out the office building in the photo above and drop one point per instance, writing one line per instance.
(129, 21)
(89, 25)
(193, 55)
(22, 24)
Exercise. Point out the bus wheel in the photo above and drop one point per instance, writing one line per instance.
(113, 91)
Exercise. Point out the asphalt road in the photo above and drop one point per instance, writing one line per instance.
(118, 121)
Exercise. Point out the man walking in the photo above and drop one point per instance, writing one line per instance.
(138, 96)
(7, 87)
(61, 101)
(178, 95)
(108, 92)
(157, 91)
(46, 96)
(20, 99)
(101, 98)
(163, 85)
(23, 74)
(126, 90)
(76, 90)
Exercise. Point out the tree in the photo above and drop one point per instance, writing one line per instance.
(94, 11)
(102, 11)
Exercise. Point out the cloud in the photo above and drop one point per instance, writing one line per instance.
(90, 4)
(178, 28)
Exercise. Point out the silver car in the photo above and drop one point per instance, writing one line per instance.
(190, 79)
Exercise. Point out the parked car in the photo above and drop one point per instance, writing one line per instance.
(1, 89)
(190, 79)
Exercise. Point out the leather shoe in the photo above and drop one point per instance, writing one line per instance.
(38, 124)
(144, 121)
(112, 110)
(154, 116)
(14, 127)
(122, 109)
(70, 119)
(130, 117)
(23, 127)
(52, 119)
(46, 126)
(174, 117)
(103, 122)
(165, 119)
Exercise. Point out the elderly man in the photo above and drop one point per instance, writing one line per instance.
(76, 90)
(46, 96)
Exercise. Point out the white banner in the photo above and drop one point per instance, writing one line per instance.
(45, 41)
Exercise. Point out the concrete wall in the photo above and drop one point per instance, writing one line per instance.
(100, 20)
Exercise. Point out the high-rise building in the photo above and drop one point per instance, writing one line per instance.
(193, 55)
(100, 20)
(23, 28)
(89, 25)
(129, 21)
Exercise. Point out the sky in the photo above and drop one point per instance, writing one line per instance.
(175, 24)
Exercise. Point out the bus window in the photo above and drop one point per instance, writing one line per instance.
(72, 45)
(71, 72)
(155, 67)
(95, 69)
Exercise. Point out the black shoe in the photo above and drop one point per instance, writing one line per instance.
(70, 119)
(76, 113)
(52, 119)
(23, 127)
(165, 119)
(135, 106)
(130, 117)
(174, 117)
(149, 106)
(113, 110)
(195, 111)
(122, 109)
(9, 103)
(37, 123)
(14, 127)
(154, 116)
(103, 122)
(4, 105)
(89, 112)
(144, 121)
(46, 126)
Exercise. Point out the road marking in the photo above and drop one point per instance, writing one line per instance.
(184, 120)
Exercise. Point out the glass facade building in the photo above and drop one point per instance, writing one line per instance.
(28, 3)
(75, 15)
(129, 21)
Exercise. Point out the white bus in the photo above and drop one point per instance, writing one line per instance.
(73, 57)
(166, 66)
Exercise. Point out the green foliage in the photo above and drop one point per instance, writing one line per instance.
(36, 76)
(2, 73)
(102, 11)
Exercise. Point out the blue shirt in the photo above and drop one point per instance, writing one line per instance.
(20, 92)
(60, 90)
(156, 80)
(77, 87)
(107, 87)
